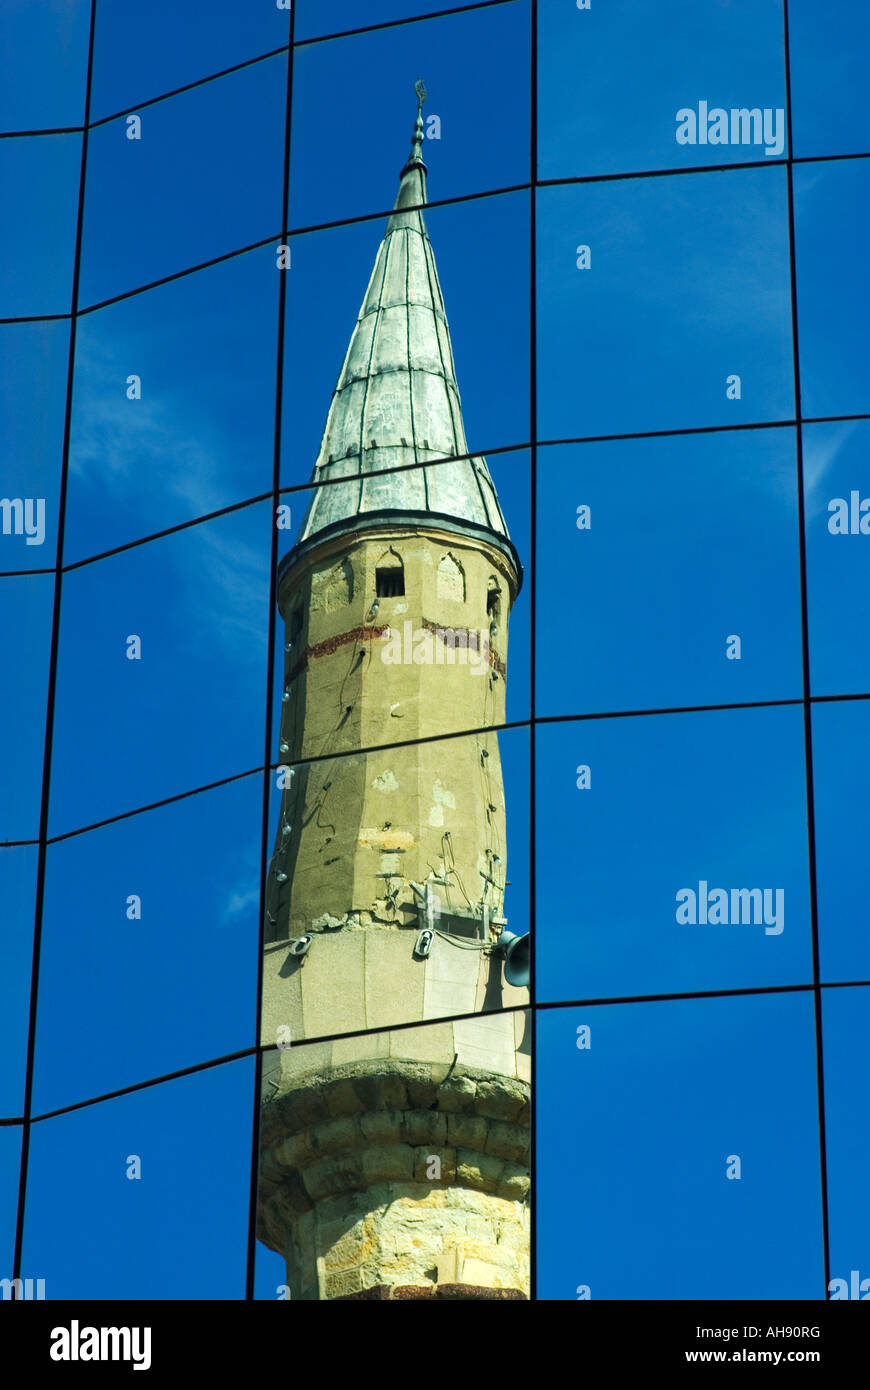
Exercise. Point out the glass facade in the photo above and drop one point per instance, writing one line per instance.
(648, 223)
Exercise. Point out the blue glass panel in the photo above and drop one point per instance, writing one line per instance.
(680, 584)
(479, 141)
(18, 865)
(141, 51)
(643, 1124)
(177, 1231)
(640, 869)
(845, 1015)
(318, 17)
(833, 286)
(618, 83)
(841, 776)
(39, 176)
(33, 372)
(188, 710)
(204, 178)
(174, 404)
(25, 638)
(270, 1276)
(661, 306)
(830, 51)
(10, 1173)
(43, 63)
(837, 515)
(171, 900)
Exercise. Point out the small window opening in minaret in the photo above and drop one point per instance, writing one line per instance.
(390, 576)
(493, 601)
(390, 583)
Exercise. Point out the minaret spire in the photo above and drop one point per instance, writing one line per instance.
(395, 415)
(415, 158)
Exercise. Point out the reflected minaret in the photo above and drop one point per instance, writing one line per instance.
(395, 1163)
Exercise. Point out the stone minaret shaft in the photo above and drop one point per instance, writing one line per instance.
(395, 600)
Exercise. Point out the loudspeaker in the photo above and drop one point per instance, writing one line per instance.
(517, 957)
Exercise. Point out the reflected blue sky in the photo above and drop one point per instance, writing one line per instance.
(10, 1166)
(693, 540)
(833, 286)
(844, 1016)
(718, 797)
(600, 116)
(195, 867)
(204, 179)
(25, 638)
(143, 51)
(835, 468)
(40, 181)
(351, 136)
(18, 898)
(841, 773)
(830, 49)
(192, 710)
(45, 91)
(682, 292)
(33, 368)
(200, 436)
(639, 1128)
(317, 17)
(181, 1230)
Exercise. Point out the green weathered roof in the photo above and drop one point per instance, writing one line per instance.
(396, 402)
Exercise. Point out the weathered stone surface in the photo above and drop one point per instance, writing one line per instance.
(366, 1186)
(515, 1182)
(501, 1100)
(382, 1127)
(479, 1171)
(423, 1163)
(422, 1089)
(302, 1107)
(424, 1127)
(342, 1098)
(338, 1136)
(507, 1141)
(457, 1094)
(393, 1162)
(345, 1283)
(297, 1150)
(333, 1175)
(467, 1131)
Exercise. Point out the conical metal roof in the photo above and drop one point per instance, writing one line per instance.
(396, 404)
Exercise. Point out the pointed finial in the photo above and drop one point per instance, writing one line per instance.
(416, 155)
